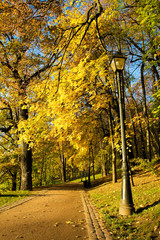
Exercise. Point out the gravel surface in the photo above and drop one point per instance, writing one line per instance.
(56, 214)
(62, 212)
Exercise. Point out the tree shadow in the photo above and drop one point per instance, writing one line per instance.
(62, 186)
(8, 195)
(103, 181)
(70, 186)
(100, 182)
(95, 185)
(156, 180)
(13, 195)
(141, 209)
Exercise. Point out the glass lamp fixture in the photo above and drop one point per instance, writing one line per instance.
(118, 62)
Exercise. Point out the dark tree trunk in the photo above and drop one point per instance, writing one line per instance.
(145, 112)
(103, 161)
(114, 173)
(135, 141)
(41, 175)
(63, 162)
(142, 144)
(107, 163)
(143, 150)
(155, 133)
(89, 169)
(63, 168)
(14, 183)
(93, 163)
(26, 159)
(26, 168)
(134, 130)
(103, 167)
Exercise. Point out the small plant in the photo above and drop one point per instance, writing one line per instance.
(144, 165)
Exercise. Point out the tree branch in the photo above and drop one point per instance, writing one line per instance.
(99, 36)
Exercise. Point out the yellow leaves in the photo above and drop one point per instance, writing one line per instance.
(33, 130)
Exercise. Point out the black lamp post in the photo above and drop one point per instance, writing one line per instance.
(126, 204)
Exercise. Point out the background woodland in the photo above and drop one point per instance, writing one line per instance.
(59, 115)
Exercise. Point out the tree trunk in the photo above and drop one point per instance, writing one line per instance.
(148, 137)
(135, 141)
(114, 173)
(14, 183)
(103, 167)
(63, 167)
(26, 167)
(142, 144)
(26, 159)
(93, 164)
(134, 130)
(63, 163)
(42, 170)
(107, 163)
(155, 140)
(103, 161)
(89, 169)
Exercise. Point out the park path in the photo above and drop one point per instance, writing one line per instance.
(55, 214)
(61, 212)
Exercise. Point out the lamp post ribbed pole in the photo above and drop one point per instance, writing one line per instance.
(126, 203)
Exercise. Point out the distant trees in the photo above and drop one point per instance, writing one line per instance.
(59, 102)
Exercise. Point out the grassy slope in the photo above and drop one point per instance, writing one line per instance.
(145, 222)
(9, 197)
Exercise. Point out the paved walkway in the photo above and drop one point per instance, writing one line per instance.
(62, 212)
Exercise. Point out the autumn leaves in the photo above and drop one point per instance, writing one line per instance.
(57, 88)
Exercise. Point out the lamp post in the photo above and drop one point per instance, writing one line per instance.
(126, 203)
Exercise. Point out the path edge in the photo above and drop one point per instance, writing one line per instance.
(96, 228)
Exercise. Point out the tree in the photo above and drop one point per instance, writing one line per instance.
(55, 75)
(23, 60)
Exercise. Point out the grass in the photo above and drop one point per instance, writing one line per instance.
(9, 197)
(97, 176)
(145, 222)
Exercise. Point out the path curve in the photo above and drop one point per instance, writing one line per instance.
(61, 212)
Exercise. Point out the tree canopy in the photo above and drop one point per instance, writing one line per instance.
(59, 112)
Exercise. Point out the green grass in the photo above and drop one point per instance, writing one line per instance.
(145, 222)
(9, 197)
(97, 176)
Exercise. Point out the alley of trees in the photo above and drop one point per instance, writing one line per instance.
(59, 115)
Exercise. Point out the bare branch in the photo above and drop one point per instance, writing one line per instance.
(99, 36)
(5, 129)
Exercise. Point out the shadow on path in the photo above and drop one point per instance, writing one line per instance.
(62, 186)
(70, 186)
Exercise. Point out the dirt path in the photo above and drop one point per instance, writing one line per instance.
(56, 214)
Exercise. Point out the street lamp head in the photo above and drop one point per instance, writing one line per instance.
(118, 62)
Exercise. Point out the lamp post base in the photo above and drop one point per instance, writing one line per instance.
(126, 203)
(126, 209)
